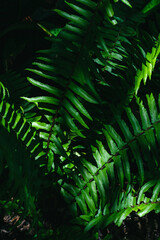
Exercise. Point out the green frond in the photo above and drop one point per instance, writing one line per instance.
(86, 58)
(113, 184)
(82, 119)
(17, 126)
(149, 6)
(15, 122)
(148, 67)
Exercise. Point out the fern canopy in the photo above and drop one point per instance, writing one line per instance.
(87, 115)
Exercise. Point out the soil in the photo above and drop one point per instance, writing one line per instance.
(134, 227)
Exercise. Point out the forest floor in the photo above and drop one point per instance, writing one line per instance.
(133, 228)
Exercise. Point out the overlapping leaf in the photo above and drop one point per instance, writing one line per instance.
(106, 188)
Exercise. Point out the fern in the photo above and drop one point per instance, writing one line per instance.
(73, 75)
(88, 124)
(28, 147)
(105, 191)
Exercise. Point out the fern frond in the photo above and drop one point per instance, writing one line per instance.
(81, 123)
(86, 58)
(148, 67)
(108, 188)
(26, 139)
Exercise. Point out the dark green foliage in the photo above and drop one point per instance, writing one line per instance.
(87, 120)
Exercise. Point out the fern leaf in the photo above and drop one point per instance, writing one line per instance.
(147, 69)
(114, 166)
